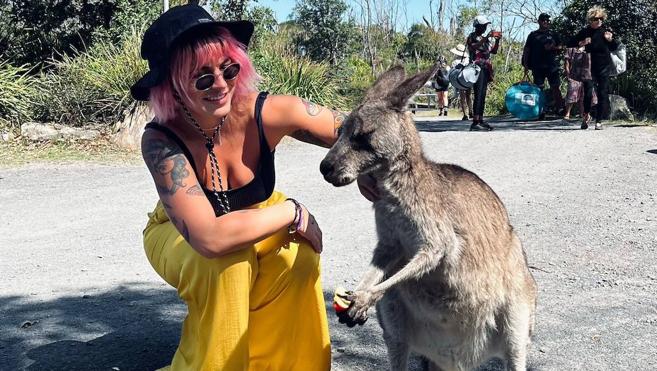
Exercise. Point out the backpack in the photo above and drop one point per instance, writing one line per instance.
(440, 80)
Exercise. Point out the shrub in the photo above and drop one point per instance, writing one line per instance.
(18, 92)
(284, 73)
(93, 86)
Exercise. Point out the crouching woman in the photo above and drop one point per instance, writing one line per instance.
(243, 257)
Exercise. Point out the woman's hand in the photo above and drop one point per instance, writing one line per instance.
(608, 35)
(367, 187)
(310, 230)
(585, 42)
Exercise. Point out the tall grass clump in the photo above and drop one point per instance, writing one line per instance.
(93, 86)
(19, 90)
(286, 73)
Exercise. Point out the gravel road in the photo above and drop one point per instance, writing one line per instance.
(80, 295)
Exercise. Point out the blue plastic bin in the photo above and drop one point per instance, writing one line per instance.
(525, 100)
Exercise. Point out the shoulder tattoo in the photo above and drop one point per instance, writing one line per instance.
(312, 108)
(338, 120)
(167, 161)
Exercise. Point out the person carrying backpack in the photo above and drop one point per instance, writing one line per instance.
(441, 85)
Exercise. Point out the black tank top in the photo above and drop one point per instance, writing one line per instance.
(262, 185)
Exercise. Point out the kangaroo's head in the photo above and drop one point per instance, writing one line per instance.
(379, 132)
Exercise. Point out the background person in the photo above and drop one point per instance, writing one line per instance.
(540, 56)
(465, 96)
(441, 85)
(577, 68)
(480, 49)
(243, 258)
(598, 41)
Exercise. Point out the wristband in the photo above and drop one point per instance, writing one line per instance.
(298, 215)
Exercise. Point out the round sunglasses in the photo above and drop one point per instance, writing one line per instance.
(205, 82)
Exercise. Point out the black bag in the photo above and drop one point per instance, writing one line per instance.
(440, 80)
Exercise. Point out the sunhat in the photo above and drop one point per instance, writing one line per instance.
(459, 50)
(480, 19)
(162, 35)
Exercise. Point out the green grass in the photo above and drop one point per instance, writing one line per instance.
(19, 153)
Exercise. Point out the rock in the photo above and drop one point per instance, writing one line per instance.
(39, 132)
(69, 133)
(129, 131)
(6, 136)
(35, 131)
(618, 109)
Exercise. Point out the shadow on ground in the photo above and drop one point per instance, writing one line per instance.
(499, 123)
(136, 327)
(133, 327)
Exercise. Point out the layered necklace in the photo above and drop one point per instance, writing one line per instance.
(221, 196)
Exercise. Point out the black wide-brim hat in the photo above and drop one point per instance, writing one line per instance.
(163, 34)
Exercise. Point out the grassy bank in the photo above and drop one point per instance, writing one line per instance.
(19, 152)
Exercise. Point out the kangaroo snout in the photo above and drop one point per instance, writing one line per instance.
(336, 177)
(326, 168)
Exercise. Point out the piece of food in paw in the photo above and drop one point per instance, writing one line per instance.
(340, 301)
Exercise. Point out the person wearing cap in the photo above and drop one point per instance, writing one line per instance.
(465, 96)
(599, 42)
(242, 256)
(480, 48)
(540, 56)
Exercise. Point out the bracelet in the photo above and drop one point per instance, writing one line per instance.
(298, 216)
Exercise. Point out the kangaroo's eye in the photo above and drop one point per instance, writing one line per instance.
(361, 141)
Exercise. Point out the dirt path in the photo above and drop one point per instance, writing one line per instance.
(80, 295)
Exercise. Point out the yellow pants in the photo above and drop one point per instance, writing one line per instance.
(260, 308)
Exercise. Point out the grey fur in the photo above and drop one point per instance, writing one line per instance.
(449, 276)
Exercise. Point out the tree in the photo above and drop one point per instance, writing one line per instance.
(36, 30)
(324, 34)
(423, 42)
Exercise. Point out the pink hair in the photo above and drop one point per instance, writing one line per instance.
(189, 58)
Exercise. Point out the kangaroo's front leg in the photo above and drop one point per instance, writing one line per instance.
(384, 259)
(426, 259)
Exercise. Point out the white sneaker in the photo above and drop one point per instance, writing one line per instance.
(598, 126)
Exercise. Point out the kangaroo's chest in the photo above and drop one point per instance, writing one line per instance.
(397, 229)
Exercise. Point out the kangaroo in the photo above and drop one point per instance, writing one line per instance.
(449, 275)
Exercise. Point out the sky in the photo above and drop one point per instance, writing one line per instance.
(415, 9)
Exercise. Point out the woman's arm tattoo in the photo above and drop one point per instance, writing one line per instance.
(338, 120)
(168, 161)
(312, 108)
(195, 190)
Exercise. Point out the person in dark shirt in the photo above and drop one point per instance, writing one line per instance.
(599, 41)
(540, 56)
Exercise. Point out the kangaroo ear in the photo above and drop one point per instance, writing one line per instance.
(385, 83)
(397, 98)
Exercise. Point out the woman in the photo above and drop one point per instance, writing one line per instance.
(480, 49)
(465, 96)
(441, 85)
(577, 68)
(599, 42)
(242, 257)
